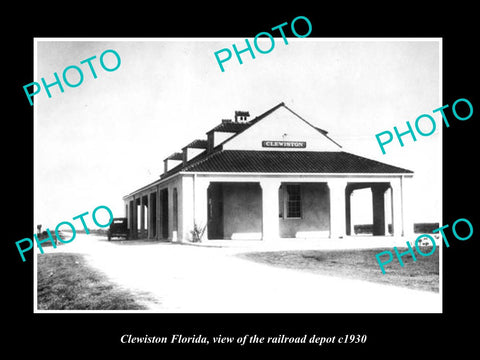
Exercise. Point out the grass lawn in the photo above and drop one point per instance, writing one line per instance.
(422, 274)
(65, 282)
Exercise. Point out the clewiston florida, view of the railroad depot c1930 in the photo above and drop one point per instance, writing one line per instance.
(265, 177)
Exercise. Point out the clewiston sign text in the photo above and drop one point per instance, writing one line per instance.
(284, 144)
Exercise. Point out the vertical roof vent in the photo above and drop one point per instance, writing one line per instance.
(241, 116)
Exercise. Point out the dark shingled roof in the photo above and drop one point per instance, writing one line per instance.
(175, 156)
(197, 144)
(231, 127)
(249, 161)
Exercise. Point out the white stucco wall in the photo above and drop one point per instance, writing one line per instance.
(315, 220)
(281, 125)
(242, 211)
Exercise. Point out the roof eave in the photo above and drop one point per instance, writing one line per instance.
(290, 174)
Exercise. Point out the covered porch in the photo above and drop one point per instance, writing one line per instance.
(241, 208)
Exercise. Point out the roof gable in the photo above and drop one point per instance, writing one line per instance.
(300, 147)
(277, 130)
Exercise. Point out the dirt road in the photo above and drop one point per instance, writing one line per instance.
(188, 279)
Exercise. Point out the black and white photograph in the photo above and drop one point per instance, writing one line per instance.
(273, 186)
(243, 183)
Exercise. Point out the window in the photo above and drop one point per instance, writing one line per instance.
(293, 201)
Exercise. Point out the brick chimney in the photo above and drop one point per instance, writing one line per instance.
(241, 116)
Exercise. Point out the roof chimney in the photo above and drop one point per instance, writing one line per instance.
(241, 116)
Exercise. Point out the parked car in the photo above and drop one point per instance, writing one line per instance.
(118, 228)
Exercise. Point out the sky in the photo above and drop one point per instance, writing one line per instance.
(107, 137)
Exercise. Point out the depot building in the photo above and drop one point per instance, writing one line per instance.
(273, 176)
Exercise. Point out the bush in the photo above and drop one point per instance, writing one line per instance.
(197, 233)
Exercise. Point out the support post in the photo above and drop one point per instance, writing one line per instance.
(158, 215)
(397, 213)
(200, 218)
(149, 217)
(134, 219)
(337, 208)
(142, 216)
(186, 208)
(378, 207)
(348, 211)
(270, 224)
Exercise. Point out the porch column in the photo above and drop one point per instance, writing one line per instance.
(200, 197)
(397, 207)
(338, 211)
(164, 214)
(378, 206)
(142, 216)
(149, 217)
(158, 217)
(407, 207)
(185, 207)
(270, 222)
(171, 236)
(348, 209)
(134, 218)
(388, 209)
(127, 212)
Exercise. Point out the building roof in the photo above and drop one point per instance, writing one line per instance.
(231, 127)
(249, 161)
(197, 144)
(238, 128)
(175, 156)
(274, 161)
